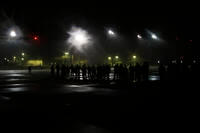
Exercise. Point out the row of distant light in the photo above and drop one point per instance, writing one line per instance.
(80, 37)
(14, 57)
(134, 57)
(117, 57)
(153, 36)
(174, 61)
(110, 32)
(139, 36)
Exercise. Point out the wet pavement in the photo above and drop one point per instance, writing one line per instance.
(46, 104)
(13, 81)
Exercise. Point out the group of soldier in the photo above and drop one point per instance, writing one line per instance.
(131, 72)
(126, 72)
(102, 72)
(179, 71)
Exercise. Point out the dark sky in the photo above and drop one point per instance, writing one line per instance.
(127, 19)
(51, 22)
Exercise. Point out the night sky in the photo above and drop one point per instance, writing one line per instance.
(52, 23)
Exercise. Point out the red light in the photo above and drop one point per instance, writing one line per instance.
(35, 38)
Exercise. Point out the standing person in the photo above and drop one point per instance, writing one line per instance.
(89, 71)
(108, 70)
(57, 70)
(145, 70)
(67, 71)
(131, 72)
(125, 73)
(93, 73)
(72, 71)
(138, 72)
(84, 70)
(116, 72)
(52, 70)
(63, 71)
(77, 72)
(29, 69)
(162, 72)
(121, 72)
(98, 72)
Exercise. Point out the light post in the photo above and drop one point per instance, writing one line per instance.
(23, 57)
(14, 58)
(70, 57)
(66, 56)
(110, 60)
(134, 59)
(66, 53)
(116, 59)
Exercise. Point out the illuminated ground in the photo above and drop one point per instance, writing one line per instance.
(45, 104)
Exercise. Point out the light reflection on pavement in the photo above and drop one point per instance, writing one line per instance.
(81, 107)
(22, 81)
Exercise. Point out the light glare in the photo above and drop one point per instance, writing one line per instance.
(109, 58)
(13, 33)
(139, 36)
(110, 32)
(79, 37)
(154, 36)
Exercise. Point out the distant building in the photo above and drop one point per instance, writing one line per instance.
(34, 63)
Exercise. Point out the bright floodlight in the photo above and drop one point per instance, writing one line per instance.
(79, 37)
(13, 33)
(154, 37)
(23, 54)
(116, 57)
(66, 53)
(139, 36)
(110, 32)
